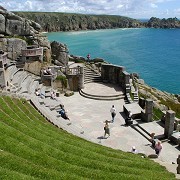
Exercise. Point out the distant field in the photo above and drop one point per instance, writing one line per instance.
(32, 148)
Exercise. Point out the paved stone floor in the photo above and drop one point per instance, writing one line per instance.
(90, 116)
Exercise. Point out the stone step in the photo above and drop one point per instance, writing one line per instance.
(33, 85)
(141, 131)
(91, 75)
(105, 98)
(90, 81)
(18, 77)
(25, 84)
(92, 78)
(58, 120)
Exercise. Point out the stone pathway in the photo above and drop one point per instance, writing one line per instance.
(91, 114)
(87, 118)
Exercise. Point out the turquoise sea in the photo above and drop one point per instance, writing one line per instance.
(153, 53)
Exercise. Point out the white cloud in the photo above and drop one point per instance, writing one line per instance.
(132, 8)
(153, 5)
(177, 11)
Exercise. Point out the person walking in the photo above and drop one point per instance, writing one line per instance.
(106, 129)
(113, 112)
(158, 148)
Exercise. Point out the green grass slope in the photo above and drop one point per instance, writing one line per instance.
(32, 148)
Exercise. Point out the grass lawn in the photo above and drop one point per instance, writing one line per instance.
(32, 148)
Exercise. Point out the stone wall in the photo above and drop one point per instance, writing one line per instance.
(113, 74)
(12, 46)
(33, 67)
(73, 81)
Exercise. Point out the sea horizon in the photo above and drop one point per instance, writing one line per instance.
(152, 53)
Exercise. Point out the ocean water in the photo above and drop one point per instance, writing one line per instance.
(152, 53)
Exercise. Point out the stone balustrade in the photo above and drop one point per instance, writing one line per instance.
(32, 52)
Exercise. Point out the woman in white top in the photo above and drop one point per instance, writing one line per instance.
(113, 112)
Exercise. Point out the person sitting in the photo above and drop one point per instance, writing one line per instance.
(45, 72)
(37, 92)
(49, 71)
(133, 150)
(63, 112)
(53, 95)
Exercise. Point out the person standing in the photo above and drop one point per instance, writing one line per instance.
(158, 148)
(113, 112)
(106, 129)
(88, 56)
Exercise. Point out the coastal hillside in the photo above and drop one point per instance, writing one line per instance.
(56, 21)
(53, 21)
(163, 23)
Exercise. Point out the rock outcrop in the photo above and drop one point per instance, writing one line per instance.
(17, 33)
(12, 46)
(59, 53)
(163, 23)
(162, 100)
(11, 24)
(75, 22)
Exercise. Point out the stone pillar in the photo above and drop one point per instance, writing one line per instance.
(127, 78)
(142, 103)
(178, 167)
(148, 110)
(81, 78)
(125, 83)
(81, 70)
(169, 123)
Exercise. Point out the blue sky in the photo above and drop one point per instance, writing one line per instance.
(130, 8)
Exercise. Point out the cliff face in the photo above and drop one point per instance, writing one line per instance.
(17, 33)
(74, 22)
(11, 24)
(163, 23)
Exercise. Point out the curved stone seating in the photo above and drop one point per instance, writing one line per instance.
(25, 84)
(18, 77)
(12, 70)
(34, 84)
(51, 115)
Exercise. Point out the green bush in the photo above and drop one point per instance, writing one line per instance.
(63, 80)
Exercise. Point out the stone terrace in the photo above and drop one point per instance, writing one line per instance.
(87, 118)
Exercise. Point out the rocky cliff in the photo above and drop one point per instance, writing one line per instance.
(163, 23)
(17, 33)
(51, 21)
